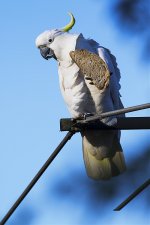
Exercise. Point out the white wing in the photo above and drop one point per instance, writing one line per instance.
(110, 60)
(115, 76)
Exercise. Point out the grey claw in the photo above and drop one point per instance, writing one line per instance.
(85, 115)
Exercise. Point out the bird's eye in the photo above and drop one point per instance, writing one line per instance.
(50, 40)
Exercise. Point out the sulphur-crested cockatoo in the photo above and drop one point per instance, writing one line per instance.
(89, 82)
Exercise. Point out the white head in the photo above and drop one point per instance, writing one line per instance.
(58, 42)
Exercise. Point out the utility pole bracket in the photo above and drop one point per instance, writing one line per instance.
(121, 123)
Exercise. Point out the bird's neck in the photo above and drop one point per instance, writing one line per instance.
(66, 43)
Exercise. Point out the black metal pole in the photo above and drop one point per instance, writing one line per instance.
(133, 195)
(36, 178)
(117, 112)
(121, 123)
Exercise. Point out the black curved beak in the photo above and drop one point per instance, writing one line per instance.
(46, 52)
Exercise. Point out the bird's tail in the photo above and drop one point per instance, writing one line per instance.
(102, 153)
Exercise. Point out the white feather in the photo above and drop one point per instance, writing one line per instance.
(102, 151)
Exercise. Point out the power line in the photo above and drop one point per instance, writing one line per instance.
(36, 178)
(117, 112)
(133, 195)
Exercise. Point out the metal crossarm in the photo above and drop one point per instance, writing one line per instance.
(91, 122)
(121, 123)
(94, 122)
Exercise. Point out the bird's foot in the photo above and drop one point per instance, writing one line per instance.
(86, 115)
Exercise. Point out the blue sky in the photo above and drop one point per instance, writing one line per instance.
(31, 102)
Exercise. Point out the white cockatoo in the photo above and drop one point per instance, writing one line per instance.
(89, 82)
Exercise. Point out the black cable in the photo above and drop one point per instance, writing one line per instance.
(133, 195)
(116, 112)
(36, 178)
